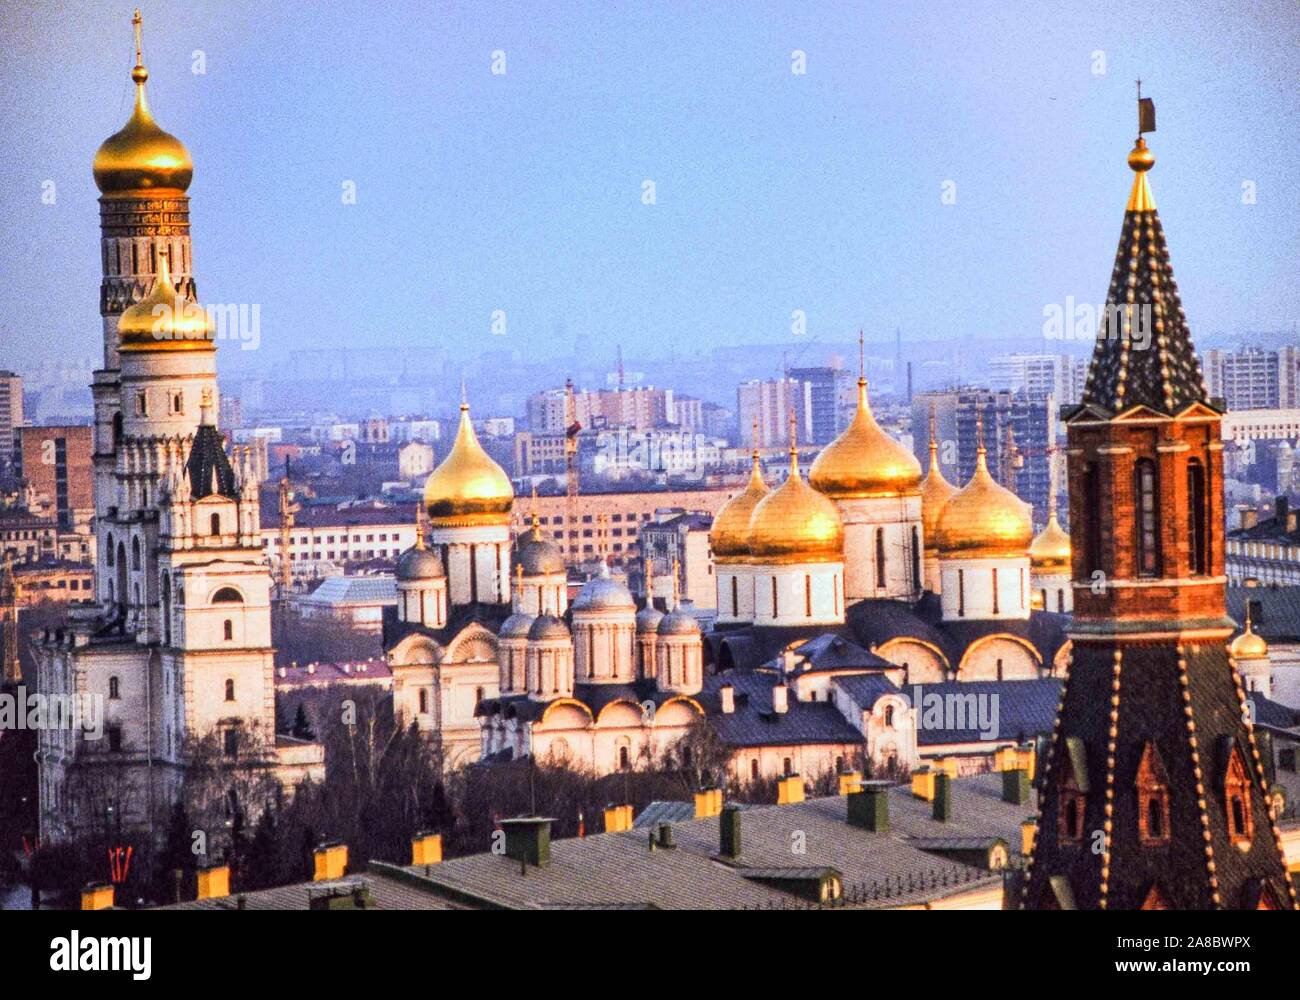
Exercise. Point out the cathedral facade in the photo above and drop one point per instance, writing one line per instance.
(176, 646)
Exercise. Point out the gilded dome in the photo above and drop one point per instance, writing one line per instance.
(729, 536)
(984, 519)
(467, 487)
(864, 461)
(795, 524)
(165, 320)
(142, 157)
(1050, 550)
(1248, 645)
(936, 491)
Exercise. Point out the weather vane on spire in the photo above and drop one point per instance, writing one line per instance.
(1146, 111)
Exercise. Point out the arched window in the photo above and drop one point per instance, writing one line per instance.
(916, 558)
(216, 524)
(135, 553)
(1148, 518)
(774, 602)
(1197, 542)
(624, 758)
(114, 689)
(880, 557)
(889, 717)
(230, 689)
(424, 701)
(787, 767)
(108, 556)
(1092, 519)
(961, 593)
(228, 630)
(995, 590)
(227, 595)
(735, 598)
(807, 594)
(753, 769)
(1236, 795)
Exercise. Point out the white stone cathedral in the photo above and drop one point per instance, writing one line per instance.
(176, 647)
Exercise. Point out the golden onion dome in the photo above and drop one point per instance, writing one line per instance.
(795, 524)
(729, 536)
(984, 520)
(1249, 645)
(864, 461)
(142, 157)
(165, 320)
(936, 491)
(1050, 550)
(467, 487)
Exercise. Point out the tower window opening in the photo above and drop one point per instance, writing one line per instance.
(216, 524)
(1148, 519)
(228, 630)
(230, 690)
(1092, 519)
(1197, 547)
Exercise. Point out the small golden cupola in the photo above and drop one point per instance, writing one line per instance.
(1250, 645)
(936, 491)
(795, 523)
(729, 537)
(1049, 552)
(468, 488)
(165, 320)
(984, 519)
(864, 461)
(141, 157)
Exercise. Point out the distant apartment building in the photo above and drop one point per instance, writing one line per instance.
(1254, 378)
(54, 464)
(622, 452)
(641, 408)
(769, 403)
(1039, 375)
(833, 398)
(230, 414)
(688, 413)
(677, 541)
(1264, 551)
(1020, 461)
(11, 413)
(539, 454)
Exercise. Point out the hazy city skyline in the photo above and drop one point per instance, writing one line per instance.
(774, 191)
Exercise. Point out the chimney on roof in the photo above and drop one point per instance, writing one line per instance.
(214, 881)
(728, 695)
(729, 831)
(426, 848)
(780, 699)
(1249, 517)
(664, 837)
(708, 802)
(942, 797)
(528, 839)
(869, 806)
(331, 861)
(1015, 786)
(1281, 508)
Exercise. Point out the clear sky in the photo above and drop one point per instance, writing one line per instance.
(774, 191)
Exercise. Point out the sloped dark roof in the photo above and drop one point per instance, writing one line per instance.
(490, 616)
(830, 651)
(866, 689)
(1125, 371)
(1273, 714)
(1023, 709)
(208, 468)
(754, 723)
(1275, 611)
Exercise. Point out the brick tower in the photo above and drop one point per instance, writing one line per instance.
(1154, 791)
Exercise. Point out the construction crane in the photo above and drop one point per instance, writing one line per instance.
(287, 510)
(571, 429)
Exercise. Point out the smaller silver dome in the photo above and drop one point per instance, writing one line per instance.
(537, 556)
(548, 627)
(648, 619)
(602, 593)
(516, 626)
(418, 563)
(678, 622)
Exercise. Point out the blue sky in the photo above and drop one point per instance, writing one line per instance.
(774, 191)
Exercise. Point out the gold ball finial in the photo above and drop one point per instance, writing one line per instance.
(1141, 159)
